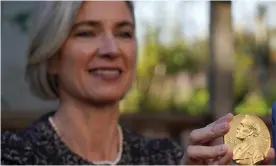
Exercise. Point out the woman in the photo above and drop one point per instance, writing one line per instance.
(84, 55)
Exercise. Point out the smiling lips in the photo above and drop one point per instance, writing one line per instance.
(108, 74)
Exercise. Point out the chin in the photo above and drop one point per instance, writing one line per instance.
(106, 99)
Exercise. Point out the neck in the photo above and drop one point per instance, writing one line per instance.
(92, 131)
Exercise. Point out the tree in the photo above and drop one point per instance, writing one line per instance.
(221, 58)
(261, 57)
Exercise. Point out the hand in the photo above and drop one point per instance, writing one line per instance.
(206, 144)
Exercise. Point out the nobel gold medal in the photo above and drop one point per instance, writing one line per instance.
(249, 139)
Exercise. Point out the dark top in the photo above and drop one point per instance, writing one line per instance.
(39, 144)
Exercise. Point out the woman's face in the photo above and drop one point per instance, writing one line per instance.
(98, 59)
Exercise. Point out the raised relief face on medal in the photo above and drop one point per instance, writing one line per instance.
(249, 139)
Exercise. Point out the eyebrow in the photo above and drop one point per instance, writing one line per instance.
(93, 23)
(86, 23)
(124, 24)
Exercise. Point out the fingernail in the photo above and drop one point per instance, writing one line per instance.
(224, 118)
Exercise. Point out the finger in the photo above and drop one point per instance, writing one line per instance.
(209, 133)
(206, 152)
(270, 157)
(226, 159)
(226, 118)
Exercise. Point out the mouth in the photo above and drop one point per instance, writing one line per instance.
(106, 73)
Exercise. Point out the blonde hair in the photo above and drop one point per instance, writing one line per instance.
(49, 29)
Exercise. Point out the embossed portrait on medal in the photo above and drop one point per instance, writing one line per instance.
(249, 138)
(248, 151)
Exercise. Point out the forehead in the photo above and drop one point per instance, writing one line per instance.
(104, 11)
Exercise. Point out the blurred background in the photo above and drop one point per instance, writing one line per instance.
(198, 60)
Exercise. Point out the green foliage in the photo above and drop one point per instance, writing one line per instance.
(254, 103)
(242, 70)
(180, 57)
(271, 97)
(160, 93)
(156, 93)
(197, 104)
(130, 103)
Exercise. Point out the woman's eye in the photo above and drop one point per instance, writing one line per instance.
(85, 34)
(127, 35)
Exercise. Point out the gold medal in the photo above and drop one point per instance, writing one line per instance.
(249, 138)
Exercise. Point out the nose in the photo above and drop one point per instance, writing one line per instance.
(108, 46)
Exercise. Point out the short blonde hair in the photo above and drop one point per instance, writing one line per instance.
(49, 29)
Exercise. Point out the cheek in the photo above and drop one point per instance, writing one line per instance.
(74, 59)
(76, 54)
(131, 55)
(132, 60)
